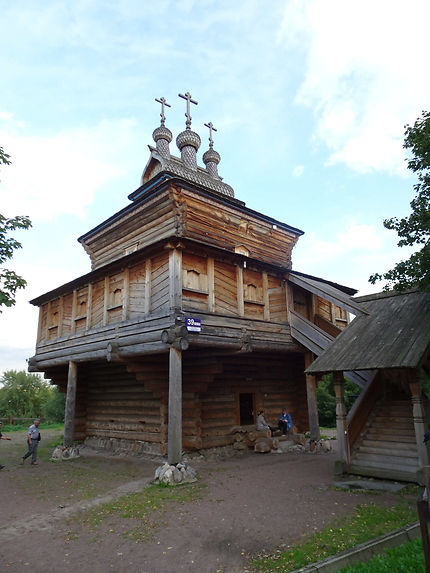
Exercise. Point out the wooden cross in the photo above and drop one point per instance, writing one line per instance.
(189, 99)
(163, 103)
(211, 129)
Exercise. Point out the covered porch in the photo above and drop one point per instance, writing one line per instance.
(383, 433)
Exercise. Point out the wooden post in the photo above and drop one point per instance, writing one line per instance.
(341, 427)
(60, 316)
(125, 293)
(106, 301)
(311, 391)
(266, 296)
(74, 305)
(148, 285)
(424, 517)
(175, 278)
(89, 306)
(211, 284)
(239, 285)
(419, 417)
(69, 416)
(174, 450)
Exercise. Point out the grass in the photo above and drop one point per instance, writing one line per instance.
(366, 522)
(24, 427)
(407, 558)
(145, 509)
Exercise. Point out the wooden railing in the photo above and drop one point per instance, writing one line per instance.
(361, 409)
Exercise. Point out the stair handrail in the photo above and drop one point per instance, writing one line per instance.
(358, 414)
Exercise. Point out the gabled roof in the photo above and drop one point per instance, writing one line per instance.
(338, 294)
(394, 334)
(158, 163)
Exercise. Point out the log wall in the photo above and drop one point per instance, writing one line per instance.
(184, 213)
(125, 406)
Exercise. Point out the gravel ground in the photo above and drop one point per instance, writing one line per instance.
(251, 504)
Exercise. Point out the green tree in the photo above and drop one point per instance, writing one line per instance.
(414, 230)
(327, 401)
(10, 282)
(53, 408)
(23, 395)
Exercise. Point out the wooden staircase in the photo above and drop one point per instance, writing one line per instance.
(386, 447)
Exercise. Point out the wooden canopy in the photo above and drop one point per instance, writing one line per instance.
(394, 334)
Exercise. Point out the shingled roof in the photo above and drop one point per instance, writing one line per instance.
(394, 334)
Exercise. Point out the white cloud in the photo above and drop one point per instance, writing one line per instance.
(352, 254)
(364, 76)
(60, 173)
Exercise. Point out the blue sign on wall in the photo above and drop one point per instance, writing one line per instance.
(193, 324)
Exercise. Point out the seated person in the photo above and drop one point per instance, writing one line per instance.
(285, 423)
(262, 425)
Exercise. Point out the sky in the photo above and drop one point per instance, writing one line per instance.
(310, 99)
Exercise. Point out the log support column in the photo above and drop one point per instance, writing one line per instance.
(341, 426)
(419, 418)
(69, 416)
(311, 391)
(174, 447)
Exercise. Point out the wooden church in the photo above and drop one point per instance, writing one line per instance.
(191, 319)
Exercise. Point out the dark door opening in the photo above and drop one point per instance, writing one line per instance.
(246, 409)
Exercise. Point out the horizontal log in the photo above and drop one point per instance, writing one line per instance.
(132, 436)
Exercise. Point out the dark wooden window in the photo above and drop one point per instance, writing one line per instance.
(246, 409)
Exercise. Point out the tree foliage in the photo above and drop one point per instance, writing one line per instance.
(26, 395)
(327, 401)
(414, 230)
(10, 282)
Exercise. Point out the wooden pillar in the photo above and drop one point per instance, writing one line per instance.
(125, 293)
(175, 277)
(69, 416)
(106, 301)
(174, 448)
(211, 284)
(239, 286)
(148, 285)
(266, 296)
(419, 417)
(60, 316)
(311, 391)
(89, 306)
(341, 427)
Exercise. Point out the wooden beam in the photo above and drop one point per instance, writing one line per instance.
(266, 314)
(148, 286)
(89, 306)
(239, 284)
(174, 455)
(74, 305)
(69, 416)
(125, 293)
(311, 391)
(341, 426)
(211, 284)
(106, 301)
(175, 278)
(419, 416)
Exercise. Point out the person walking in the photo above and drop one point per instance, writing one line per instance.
(33, 438)
(2, 438)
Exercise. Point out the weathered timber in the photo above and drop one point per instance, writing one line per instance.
(69, 415)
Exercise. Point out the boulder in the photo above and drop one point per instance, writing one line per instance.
(263, 445)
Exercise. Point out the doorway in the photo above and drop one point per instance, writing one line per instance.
(246, 409)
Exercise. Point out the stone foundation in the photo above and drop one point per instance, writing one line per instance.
(175, 474)
(128, 447)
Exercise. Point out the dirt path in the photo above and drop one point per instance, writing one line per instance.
(251, 504)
